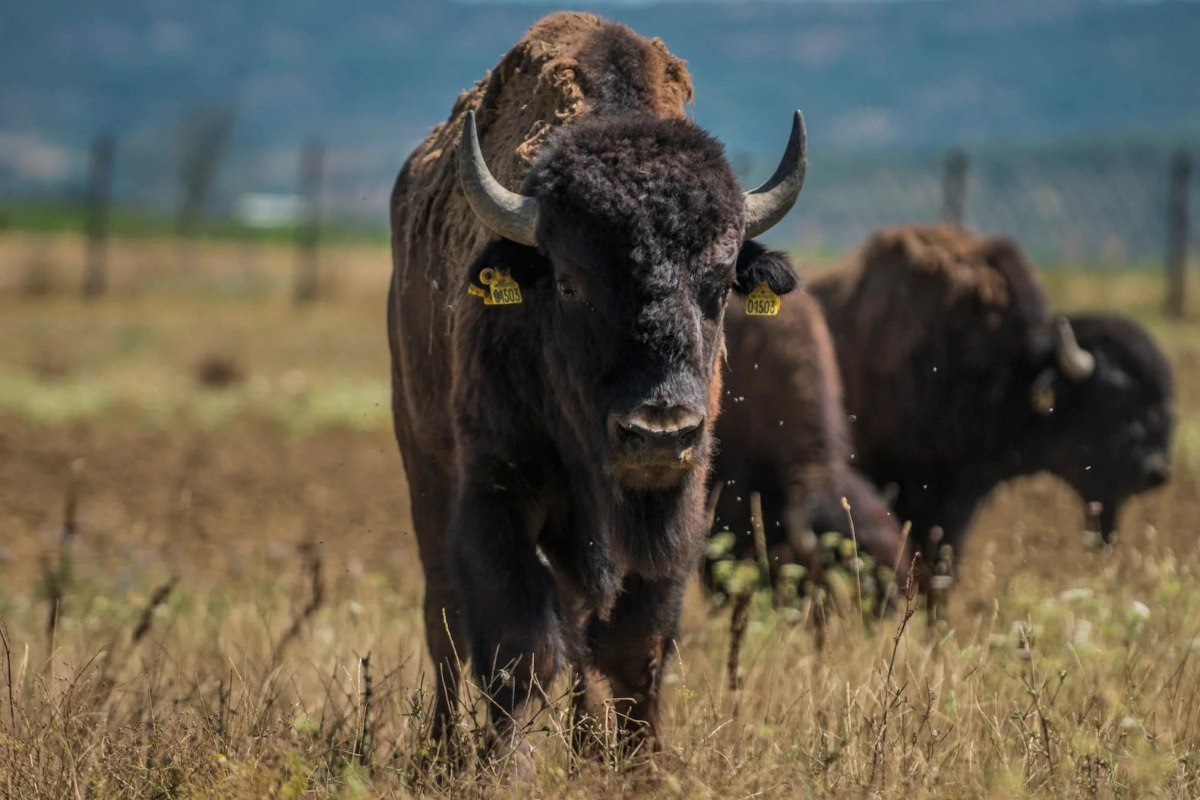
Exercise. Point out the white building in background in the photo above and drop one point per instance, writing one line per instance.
(266, 210)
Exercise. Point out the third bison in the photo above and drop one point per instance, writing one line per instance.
(958, 376)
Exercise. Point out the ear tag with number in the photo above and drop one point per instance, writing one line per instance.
(503, 289)
(762, 302)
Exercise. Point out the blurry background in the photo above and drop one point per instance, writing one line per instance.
(197, 468)
(205, 167)
(1068, 110)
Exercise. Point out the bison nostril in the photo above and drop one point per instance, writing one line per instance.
(651, 434)
(667, 426)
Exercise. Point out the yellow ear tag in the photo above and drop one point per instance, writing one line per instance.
(504, 290)
(762, 302)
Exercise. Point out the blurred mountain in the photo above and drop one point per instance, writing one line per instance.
(371, 76)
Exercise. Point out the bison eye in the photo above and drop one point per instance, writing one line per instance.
(713, 300)
(566, 288)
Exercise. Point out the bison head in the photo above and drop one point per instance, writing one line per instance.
(631, 231)
(1106, 395)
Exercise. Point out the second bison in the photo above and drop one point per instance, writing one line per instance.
(958, 376)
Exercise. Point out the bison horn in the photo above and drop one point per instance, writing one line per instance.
(769, 203)
(509, 214)
(1075, 362)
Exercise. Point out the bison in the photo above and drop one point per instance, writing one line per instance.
(784, 435)
(554, 354)
(958, 376)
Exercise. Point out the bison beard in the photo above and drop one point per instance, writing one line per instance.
(556, 448)
(959, 377)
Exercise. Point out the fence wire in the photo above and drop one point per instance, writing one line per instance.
(1093, 206)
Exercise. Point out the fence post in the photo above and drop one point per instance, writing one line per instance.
(95, 278)
(203, 145)
(1177, 233)
(954, 187)
(312, 162)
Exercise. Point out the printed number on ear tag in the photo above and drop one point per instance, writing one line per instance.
(503, 288)
(498, 288)
(762, 302)
(505, 291)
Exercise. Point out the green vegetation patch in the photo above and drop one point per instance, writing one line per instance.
(132, 221)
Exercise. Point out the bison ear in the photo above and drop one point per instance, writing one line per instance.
(525, 264)
(757, 265)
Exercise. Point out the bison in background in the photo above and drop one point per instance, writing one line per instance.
(554, 356)
(783, 434)
(957, 376)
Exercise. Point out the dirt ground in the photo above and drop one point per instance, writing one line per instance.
(202, 503)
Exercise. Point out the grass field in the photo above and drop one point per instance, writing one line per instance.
(209, 586)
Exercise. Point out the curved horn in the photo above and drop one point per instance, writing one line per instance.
(770, 202)
(508, 214)
(1075, 362)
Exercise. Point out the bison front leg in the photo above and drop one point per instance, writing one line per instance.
(443, 620)
(587, 721)
(631, 649)
(507, 597)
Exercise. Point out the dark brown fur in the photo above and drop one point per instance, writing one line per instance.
(544, 543)
(941, 336)
(783, 434)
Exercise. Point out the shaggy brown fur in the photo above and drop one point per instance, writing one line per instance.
(916, 301)
(783, 434)
(943, 336)
(555, 74)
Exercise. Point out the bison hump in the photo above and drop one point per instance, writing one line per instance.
(567, 65)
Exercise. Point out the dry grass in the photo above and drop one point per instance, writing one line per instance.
(237, 605)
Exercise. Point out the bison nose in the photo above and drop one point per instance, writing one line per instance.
(1156, 470)
(657, 428)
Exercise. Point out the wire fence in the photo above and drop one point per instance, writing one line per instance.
(1072, 208)
(1123, 207)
